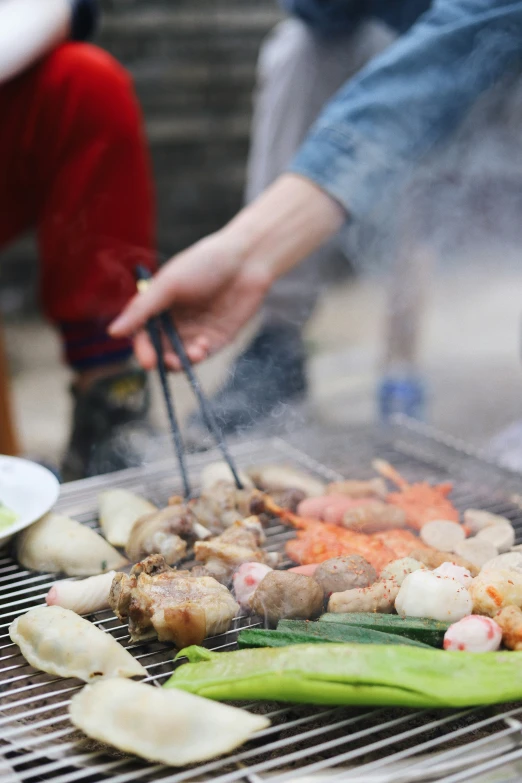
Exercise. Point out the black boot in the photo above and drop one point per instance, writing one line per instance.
(271, 371)
(110, 427)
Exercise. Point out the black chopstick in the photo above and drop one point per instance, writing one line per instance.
(154, 326)
(154, 331)
(206, 411)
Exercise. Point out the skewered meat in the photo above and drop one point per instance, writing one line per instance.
(375, 488)
(282, 595)
(378, 597)
(432, 558)
(493, 590)
(174, 605)
(247, 579)
(83, 597)
(510, 621)
(166, 533)
(119, 510)
(344, 573)
(476, 520)
(217, 472)
(476, 551)
(421, 502)
(374, 517)
(423, 594)
(237, 545)
(473, 634)
(442, 535)
(274, 478)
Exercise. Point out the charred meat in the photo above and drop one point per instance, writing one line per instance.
(173, 605)
(240, 543)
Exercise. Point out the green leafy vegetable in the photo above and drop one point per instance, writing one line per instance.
(304, 632)
(353, 674)
(7, 517)
(422, 629)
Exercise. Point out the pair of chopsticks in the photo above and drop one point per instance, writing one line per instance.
(164, 323)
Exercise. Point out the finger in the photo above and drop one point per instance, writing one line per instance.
(144, 351)
(172, 362)
(142, 307)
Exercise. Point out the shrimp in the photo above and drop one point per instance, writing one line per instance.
(421, 501)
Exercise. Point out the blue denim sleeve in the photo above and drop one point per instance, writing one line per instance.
(338, 17)
(409, 98)
(84, 19)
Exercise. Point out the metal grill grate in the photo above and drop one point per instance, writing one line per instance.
(303, 743)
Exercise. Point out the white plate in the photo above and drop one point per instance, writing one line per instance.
(27, 489)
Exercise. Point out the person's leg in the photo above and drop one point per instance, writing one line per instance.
(297, 74)
(80, 173)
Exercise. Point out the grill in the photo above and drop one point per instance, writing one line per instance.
(303, 743)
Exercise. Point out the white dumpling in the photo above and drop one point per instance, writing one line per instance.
(84, 596)
(61, 545)
(58, 641)
(169, 726)
(119, 510)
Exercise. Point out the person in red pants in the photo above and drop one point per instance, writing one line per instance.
(74, 165)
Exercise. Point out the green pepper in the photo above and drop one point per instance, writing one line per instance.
(347, 674)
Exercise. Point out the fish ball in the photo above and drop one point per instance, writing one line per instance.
(424, 594)
(473, 634)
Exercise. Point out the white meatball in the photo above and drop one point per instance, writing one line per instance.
(424, 594)
(473, 634)
(246, 579)
(462, 575)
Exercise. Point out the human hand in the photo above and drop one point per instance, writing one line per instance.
(212, 291)
(217, 285)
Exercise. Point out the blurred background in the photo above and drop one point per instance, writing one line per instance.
(194, 70)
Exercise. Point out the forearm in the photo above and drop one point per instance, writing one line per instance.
(290, 220)
(29, 29)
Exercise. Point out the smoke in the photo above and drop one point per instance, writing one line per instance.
(464, 200)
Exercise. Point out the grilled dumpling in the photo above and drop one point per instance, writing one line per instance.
(58, 641)
(170, 726)
(119, 510)
(59, 544)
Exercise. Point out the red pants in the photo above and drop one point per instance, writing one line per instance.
(74, 164)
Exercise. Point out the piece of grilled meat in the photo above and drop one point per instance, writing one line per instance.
(173, 605)
(239, 544)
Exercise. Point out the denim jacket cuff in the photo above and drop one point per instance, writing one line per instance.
(352, 169)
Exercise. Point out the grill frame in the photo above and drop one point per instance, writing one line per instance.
(304, 743)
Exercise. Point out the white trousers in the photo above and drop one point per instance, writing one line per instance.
(297, 74)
